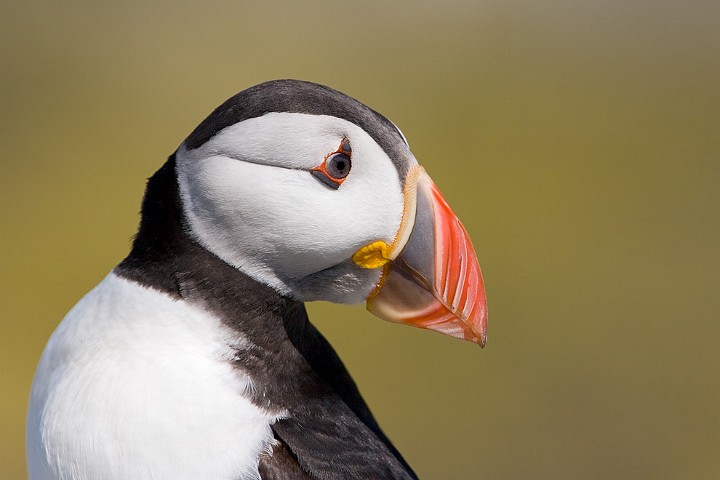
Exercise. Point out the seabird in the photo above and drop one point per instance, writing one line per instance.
(194, 358)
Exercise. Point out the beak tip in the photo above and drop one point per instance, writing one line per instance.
(480, 335)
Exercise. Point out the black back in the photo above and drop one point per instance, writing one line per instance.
(329, 432)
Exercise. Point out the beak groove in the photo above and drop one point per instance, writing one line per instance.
(433, 280)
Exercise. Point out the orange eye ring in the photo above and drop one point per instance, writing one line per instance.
(335, 166)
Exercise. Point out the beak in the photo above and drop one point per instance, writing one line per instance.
(432, 278)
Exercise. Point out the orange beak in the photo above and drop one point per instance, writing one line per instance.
(433, 279)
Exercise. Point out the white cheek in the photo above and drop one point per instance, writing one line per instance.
(280, 225)
(290, 140)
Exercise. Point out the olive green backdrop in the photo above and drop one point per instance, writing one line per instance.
(577, 140)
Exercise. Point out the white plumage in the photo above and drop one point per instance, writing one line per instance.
(249, 199)
(133, 381)
(196, 355)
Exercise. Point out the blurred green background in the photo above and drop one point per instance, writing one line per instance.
(577, 140)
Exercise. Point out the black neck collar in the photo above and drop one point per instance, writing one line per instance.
(293, 367)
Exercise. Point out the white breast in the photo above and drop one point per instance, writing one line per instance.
(135, 385)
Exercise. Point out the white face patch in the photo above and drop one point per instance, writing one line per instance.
(250, 198)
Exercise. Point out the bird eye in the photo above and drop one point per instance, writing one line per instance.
(335, 167)
(338, 166)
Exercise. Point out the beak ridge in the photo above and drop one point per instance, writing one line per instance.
(435, 281)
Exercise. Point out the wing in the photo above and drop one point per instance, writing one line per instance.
(280, 464)
(330, 432)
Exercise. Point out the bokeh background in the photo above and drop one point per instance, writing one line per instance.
(577, 140)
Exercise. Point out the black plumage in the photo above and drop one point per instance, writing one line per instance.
(329, 432)
(296, 96)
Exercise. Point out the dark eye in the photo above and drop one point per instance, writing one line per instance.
(338, 166)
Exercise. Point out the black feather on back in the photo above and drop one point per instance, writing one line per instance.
(329, 431)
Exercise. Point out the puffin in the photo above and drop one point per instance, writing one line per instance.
(194, 358)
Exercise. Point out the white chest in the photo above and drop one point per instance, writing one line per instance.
(134, 384)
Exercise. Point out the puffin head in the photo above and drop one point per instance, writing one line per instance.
(318, 196)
